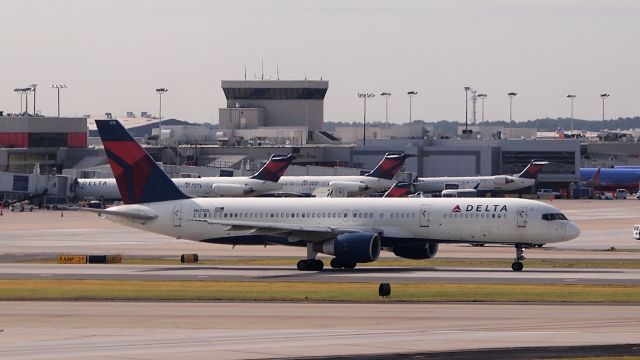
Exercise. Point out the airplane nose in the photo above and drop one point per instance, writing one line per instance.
(572, 231)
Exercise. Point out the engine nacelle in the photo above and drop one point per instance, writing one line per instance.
(416, 251)
(349, 186)
(231, 190)
(352, 248)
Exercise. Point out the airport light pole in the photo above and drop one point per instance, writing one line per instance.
(603, 96)
(571, 97)
(58, 87)
(386, 110)
(482, 97)
(511, 95)
(466, 109)
(19, 92)
(33, 87)
(160, 91)
(26, 92)
(364, 97)
(411, 94)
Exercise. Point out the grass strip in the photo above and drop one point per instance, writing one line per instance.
(306, 291)
(396, 262)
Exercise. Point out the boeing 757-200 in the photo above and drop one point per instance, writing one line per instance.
(352, 230)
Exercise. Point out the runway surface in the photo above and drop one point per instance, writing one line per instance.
(147, 330)
(365, 274)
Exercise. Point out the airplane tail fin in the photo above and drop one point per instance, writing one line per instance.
(389, 166)
(139, 178)
(532, 170)
(274, 168)
(399, 189)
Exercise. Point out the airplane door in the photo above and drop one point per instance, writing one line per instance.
(177, 215)
(424, 215)
(522, 217)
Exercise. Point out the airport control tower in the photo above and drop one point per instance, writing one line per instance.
(273, 103)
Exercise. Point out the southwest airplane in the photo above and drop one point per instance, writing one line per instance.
(522, 180)
(353, 230)
(379, 179)
(611, 178)
(265, 180)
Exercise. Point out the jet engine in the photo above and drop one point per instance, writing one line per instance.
(349, 186)
(352, 248)
(416, 251)
(231, 190)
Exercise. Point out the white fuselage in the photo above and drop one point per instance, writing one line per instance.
(504, 220)
(107, 189)
(353, 184)
(480, 183)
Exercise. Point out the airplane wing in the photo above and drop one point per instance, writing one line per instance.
(290, 230)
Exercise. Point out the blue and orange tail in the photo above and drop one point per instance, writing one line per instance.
(274, 168)
(389, 166)
(399, 189)
(139, 178)
(532, 170)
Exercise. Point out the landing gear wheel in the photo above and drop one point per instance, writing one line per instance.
(517, 266)
(303, 265)
(336, 264)
(349, 265)
(310, 265)
(317, 265)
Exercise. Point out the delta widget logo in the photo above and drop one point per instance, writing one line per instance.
(456, 209)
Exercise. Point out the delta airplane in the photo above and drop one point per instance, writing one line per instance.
(264, 181)
(522, 180)
(353, 230)
(379, 179)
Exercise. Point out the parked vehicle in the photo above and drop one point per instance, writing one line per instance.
(547, 194)
(21, 206)
(621, 193)
(605, 196)
(636, 232)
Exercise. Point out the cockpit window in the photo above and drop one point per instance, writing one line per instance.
(554, 216)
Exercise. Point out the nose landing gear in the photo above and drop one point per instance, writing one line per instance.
(517, 264)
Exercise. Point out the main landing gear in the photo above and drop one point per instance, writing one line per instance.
(310, 263)
(517, 264)
(337, 264)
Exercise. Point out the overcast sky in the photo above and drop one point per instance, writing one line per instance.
(113, 54)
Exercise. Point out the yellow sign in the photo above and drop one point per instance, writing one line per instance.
(72, 259)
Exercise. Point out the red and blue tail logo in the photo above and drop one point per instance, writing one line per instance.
(532, 170)
(139, 178)
(274, 168)
(399, 189)
(389, 166)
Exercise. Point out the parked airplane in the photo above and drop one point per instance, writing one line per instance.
(263, 181)
(353, 230)
(379, 179)
(611, 179)
(522, 180)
